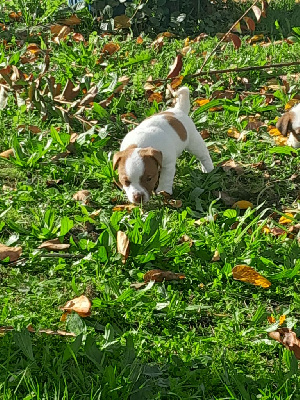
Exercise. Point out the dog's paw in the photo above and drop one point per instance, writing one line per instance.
(164, 191)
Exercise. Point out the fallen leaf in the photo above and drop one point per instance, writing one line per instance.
(280, 140)
(277, 231)
(254, 124)
(58, 332)
(158, 43)
(110, 48)
(186, 239)
(159, 275)
(54, 245)
(81, 305)
(247, 274)
(242, 204)
(95, 213)
(7, 153)
(233, 133)
(123, 81)
(59, 32)
(122, 21)
(70, 91)
(139, 40)
(256, 38)
(227, 200)
(264, 6)
(136, 286)
(15, 15)
(78, 37)
(250, 23)
(232, 165)
(155, 97)
(205, 134)
(257, 12)
(273, 131)
(291, 103)
(288, 338)
(124, 207)
(216, 256)
(174, 203)
(176, 67)
(185, 50)
(12, 252)
(72, 20)
(237, 28)
(177, 82)
(271, 319)
(123, 245)
(82, 195)
(285, 220)
(266, 230)
(31, 128)
(282, 319)
(55, 158)
(54, 182)
(235, 40)
(201, 102)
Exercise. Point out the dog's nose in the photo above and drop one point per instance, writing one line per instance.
(138, 197)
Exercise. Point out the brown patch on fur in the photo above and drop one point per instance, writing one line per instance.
(152, 160)
(284, 124)
(119, 162)
(175, 124)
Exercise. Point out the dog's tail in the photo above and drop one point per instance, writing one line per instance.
(183, 99)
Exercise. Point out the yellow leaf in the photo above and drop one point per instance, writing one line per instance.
(280, 140)
(124, 207)
(291, 103)
(274, 132)
(247, 274)
(155, 97)
(271, 319)
(266, 230)
(256, 38)
(237, 28)
(242, 204)
(281, 319)
(176, 82)
(284, 220)
(201, 102)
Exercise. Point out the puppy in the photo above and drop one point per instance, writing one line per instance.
(290, 122)
(147, 157)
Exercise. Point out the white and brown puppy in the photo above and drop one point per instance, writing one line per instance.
(147, 157)
(290, 122)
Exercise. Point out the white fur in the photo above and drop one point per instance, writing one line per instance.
(134, 167)
(156, 132)
(292, 140)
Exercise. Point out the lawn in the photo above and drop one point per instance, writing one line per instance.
(67, 99)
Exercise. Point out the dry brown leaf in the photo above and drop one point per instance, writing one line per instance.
(136, 286)
(177, 82)
(216, 256)
(159, 275)
(174, 203)
(57, 157)
(233, 133)
(70, 91)
(122, 21)
(59, 32)
(158, 43)
(277, 231)
(54, 245)
(139, 40)
(31, 128)
(242, 204)
(110, 48)
(12, 252)
(232, 165)
(250, 23)
(288, 338)
(81, 305)
(78, 37)
(227, 200)
(176, 67)
(205, 134)
(155, 97)
(247, 274)
(123, 245)
(185, 50)
(82, 195)
(254, 124)
(123, 80)
(7, 153)
(72, 20)
(271, 319)
(15, 15)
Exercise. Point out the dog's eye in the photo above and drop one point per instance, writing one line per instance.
(149, 178)
(126, 182)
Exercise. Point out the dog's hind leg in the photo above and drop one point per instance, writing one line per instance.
(198, 148)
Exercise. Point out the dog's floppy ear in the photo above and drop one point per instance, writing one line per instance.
(151, 152)
(124, 153)
(284, 124)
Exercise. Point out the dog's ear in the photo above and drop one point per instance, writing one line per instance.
(151, 152)
(116, 159)
(125, 153)
(284, 124)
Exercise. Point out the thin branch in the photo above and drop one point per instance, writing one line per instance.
(225, 36)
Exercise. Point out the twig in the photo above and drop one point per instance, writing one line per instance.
(62, 255)
(137, 9)
(225, 36)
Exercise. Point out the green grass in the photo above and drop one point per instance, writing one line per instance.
(204, 337)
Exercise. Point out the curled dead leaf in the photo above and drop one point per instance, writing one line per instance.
(54, 245)
(110, 48)
(177, 82)
(139, 40)
(242, 204)
(256, 38)
(288, 339)
(176, 67)
(277, 231)
(250, 23)
(13, 253)
(82, 195)
(59, 32)
(159, 275)
(7, 153)
(158, 43)
(257, 12)
(232, 165)
(285, 219)
(205, 134)
(247, 274)
(72, 20)
(155, 97)
(124, 207)
(81, 305)
(123, 245)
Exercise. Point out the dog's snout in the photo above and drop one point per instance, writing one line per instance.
(138, 197)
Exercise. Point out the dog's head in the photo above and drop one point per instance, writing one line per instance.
(138, 171)
(290, 122)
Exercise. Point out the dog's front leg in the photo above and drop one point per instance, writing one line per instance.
(166, 179)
